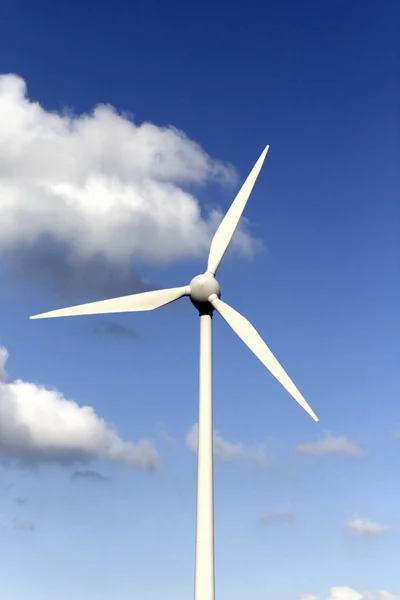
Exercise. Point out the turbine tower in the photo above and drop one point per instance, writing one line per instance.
(204, 292)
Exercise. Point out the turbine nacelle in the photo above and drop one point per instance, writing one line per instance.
(200, 289)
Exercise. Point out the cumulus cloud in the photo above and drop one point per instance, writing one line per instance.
(85, 197)
(39, 425)
(50, 265)
(228, 451)
(347, 593)
(344, 593)
(365, 527)
(339, 445)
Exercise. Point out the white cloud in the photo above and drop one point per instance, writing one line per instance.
(366, 527)
(344, 593)
(339, 445)
(102, 185)
(347, 593)
(228, 451)
(39, 425)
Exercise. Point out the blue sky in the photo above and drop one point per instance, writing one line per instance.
(315, 268)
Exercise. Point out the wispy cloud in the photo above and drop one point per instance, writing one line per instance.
(26, 526)
(271, 517)
(88, 475)
(229, 451)
(20, 500)
(112, 329)
(337, 445)
(3, 360)
(39, 425)
(163, 433)
(365, 527)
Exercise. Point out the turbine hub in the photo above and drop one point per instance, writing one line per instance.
(201, 288)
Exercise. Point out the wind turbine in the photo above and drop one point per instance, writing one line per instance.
(204, 292)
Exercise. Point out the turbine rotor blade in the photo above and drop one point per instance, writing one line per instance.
(228, 225)
(135, 302)
(247, 333)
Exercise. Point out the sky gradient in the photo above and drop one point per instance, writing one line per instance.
(99, 202)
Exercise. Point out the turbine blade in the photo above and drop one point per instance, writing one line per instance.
(135, 302)
(245, 330)
(228, 225)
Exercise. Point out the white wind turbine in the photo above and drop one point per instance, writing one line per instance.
(204, 292)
